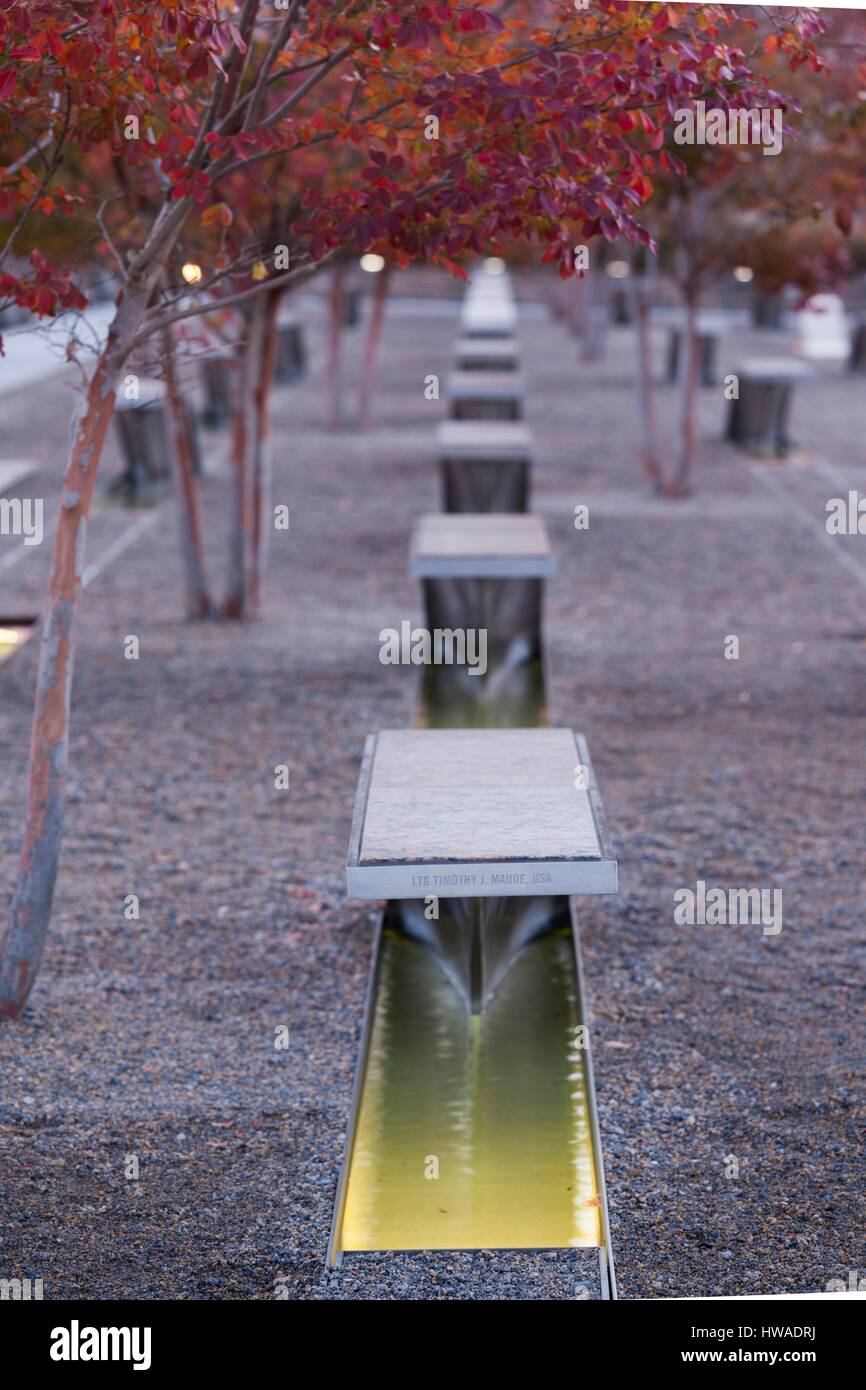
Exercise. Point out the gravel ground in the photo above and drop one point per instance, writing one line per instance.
(154, 1041)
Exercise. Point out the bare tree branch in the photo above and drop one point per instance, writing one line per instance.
(151, 325)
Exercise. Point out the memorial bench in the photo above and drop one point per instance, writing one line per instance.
(485, 395)
(758, 417)
(488, 318)
(474, 814)
(822, 329)
(486, 355)
(484, 573)
(216, 377)
(485, 465)
(857, 359)
(711, 328)
(143, 430)
(291, 357)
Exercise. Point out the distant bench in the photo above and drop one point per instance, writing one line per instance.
(486, 355)
(488, 318)
(143, 431)
(712, 325)
(484, 573)
(485, 465)
(822, 329)
(291, 358)
(758, 417)
(485, 395)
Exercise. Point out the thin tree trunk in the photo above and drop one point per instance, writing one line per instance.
(373, 343)
(241, 522)
(198, 602)
(337, 310)
(261, 454)
(650, 456)
(594, 315)
(682, 482)
(24, 939)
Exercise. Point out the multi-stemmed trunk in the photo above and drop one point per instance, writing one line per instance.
(650, 453)
(249, 354)
(261, 470)
(336, 325)
(250, 493)
(24, 939)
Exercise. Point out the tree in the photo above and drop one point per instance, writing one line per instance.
(712, 201)
(471, 127)
(41, 112)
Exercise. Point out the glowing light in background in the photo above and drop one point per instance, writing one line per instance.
(744, 274)
(372, 263)
(191, 273)
(10, 638)
(618, 270)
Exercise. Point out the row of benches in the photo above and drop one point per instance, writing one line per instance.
(464, 812)
(486, 807)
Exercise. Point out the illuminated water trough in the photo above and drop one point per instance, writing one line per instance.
(473, 1121)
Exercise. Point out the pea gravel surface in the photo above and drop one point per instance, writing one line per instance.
(157, 1138)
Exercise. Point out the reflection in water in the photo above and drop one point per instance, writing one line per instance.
(475, 940)
(509, 696)
(495, 1101)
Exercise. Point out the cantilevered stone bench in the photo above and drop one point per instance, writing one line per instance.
(485, 465)
(486, 355)
(488, 318)
(143, 431)
(857, 359)
(822, 329)
(758, 418)
(479, 818)
(491, 395)
(484, 545)
(291, 358)
(484, 574)
(142, 426)
(477, 813)
(216, 375)
(711, 327)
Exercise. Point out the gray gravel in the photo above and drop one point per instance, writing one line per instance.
(156, 1039)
